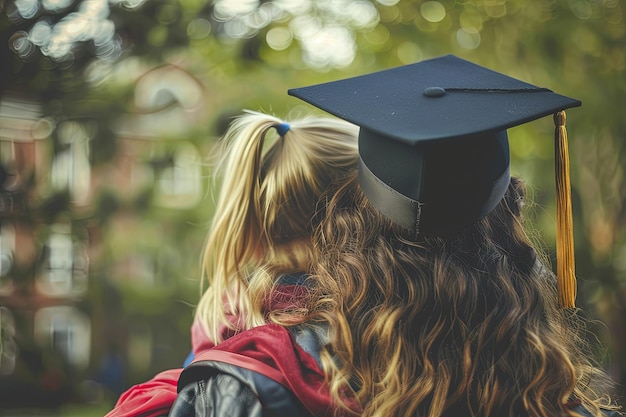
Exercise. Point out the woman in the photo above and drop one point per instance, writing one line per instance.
(441, 305)
(466, 325)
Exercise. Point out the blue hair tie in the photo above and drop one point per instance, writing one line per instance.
(282, 128)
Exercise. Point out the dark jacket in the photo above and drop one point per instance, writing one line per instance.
(265, 371)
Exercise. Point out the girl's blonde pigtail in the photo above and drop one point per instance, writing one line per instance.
(235, 236)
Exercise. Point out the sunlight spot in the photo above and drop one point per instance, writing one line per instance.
(471, 19)
(362, 14)
(409, 52)
(279, 38)
(55, 5)
(330, 47)
(40, 33)
(581, 9)
(21, 45)
(131, 4)
(27, 8)
(229, 9)
(378, 37)
(433, 11)
(388, 2)
(260, 19)
(294, 7)
(103, 32)
(236, 29)
(496, 9)
(199, 28)
(468, 38)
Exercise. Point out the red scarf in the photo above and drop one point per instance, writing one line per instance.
(269, 347)
(150, 399)
(272, 351)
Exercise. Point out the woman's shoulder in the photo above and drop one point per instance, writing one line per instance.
(229, 397)
(224, 389)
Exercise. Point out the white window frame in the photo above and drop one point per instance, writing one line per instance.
(7, 251)
(71, 169)
(50, 322)
(8, 346)
(66, 268)
(179, 185)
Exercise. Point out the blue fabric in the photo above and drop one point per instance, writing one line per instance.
(188, 359)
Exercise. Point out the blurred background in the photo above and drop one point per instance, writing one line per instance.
(109, 112)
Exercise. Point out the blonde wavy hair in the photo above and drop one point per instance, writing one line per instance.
(460, 326)
(267, 211)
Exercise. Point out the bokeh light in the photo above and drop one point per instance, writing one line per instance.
(409, 52)
(279, 38)
(325, 30)
(90, 23)
(468, 38)
(388, 2)
(199, 28)
(55, 5)
(27, 8)
(433, 11)
(582, 9)
(21, 45)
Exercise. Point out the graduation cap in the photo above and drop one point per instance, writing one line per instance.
(434, 149)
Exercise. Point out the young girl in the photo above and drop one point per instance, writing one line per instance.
(265, 215)
(259, 250)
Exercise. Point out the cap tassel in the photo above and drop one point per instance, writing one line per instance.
(566, 277)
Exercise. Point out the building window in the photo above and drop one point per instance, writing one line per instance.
(7, 165)
(70, 168)
(67, 331)
(7, 249)
(67, 264)
(8, 347)
(179, 183)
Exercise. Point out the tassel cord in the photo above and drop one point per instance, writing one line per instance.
(566, 276)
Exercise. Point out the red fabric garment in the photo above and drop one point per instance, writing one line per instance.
(200, 341)
(150, 399)
(155, 397)
(282, 360)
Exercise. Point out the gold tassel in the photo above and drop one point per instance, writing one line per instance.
(566, 277)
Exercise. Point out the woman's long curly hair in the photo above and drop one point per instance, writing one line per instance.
(461, 326)
(267, 210)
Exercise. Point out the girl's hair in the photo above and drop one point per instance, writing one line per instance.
(466, 325)
(267, 211)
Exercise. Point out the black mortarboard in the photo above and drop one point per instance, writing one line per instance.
(433, 143)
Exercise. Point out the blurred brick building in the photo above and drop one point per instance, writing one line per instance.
(78, 240)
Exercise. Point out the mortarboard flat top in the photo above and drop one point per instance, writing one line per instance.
(464, 99)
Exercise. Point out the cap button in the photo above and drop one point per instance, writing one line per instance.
(434, 92)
